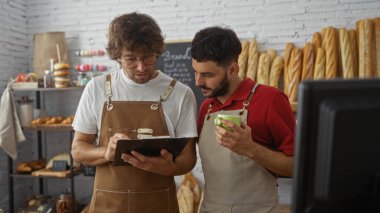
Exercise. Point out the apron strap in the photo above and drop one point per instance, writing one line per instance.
(108, 92)
(168, 91)
(246, 102)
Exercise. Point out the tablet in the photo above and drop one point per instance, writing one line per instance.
(149, 147)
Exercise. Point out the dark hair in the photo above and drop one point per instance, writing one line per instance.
(135, 32)
(217, 44)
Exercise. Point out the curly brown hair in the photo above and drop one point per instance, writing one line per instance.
(136, 32)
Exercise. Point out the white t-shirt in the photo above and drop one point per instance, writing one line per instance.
(180, 108)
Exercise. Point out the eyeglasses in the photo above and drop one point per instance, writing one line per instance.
(131, 62)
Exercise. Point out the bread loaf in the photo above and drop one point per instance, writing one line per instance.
(355, 55)
(346, 54)
(317, 40)
(263, 69)
(189, 195)
(377, 41)
(365, 47)
(288, 50)
(294, 75)
(329, 41)
(185, 199)
(339, 72)
(275, 71)
(253, 60)
(272, 54)
(320, 64)
(38, 164)
(308, 62)
(24, 167)
(243, 60)
(323, 36)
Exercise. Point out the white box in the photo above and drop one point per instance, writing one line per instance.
(24, 85)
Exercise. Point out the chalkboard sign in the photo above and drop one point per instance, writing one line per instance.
(176, 62)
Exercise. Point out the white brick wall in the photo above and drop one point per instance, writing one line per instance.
(272, 22)
(13, 40)
(13, 59)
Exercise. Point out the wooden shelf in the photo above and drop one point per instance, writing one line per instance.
(50, 174)
(49, 127)
(47, 89)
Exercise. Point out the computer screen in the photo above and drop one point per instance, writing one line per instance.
(337, 161)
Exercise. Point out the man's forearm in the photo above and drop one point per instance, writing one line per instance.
(275, 161)
(88, 154)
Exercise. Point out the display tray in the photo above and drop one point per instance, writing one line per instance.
(50, 173)
(149, 147)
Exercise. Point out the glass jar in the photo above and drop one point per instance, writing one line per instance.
(63, 204)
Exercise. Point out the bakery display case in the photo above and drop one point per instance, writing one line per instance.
(59, 167)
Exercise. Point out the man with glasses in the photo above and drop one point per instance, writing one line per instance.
(135, 102)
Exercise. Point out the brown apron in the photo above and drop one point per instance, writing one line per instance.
(233, 183)
(127, 189)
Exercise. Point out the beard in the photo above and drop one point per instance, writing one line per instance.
(220, 90)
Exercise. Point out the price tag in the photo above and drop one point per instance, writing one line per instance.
(59, 165)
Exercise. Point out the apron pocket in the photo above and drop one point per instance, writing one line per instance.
(130, 201)
(130, 132)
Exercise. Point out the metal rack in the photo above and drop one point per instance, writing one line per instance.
(40, 139)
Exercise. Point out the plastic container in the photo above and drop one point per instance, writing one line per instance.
(25, 111)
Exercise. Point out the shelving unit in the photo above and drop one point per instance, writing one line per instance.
(41, 129)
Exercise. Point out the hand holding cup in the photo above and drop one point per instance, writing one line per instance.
(233, 118)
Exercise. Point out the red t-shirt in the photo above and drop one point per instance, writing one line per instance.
(269, 115)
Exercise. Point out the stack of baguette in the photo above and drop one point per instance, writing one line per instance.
(189, 194)
(265, 67)
(332, 53)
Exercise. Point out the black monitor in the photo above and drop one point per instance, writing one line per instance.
(337, 161)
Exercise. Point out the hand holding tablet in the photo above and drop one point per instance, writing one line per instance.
(149, 147)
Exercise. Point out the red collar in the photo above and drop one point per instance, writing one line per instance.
(240, 94)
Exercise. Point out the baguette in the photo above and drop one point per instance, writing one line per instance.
(339, 71)
(361, 48)
(185, 199)
(189, 194)
(323, 36)
(288, 50)
(317, 40)
(243, 60)
(365, 46)
(377, 41)
(346, 54)
(253, 60)
(329, 41)
(275, 71)
(194, 186)
(272, 54)
(320, 64)
(263, 69)
(308, 62)
(294, 75)
(354, 46)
